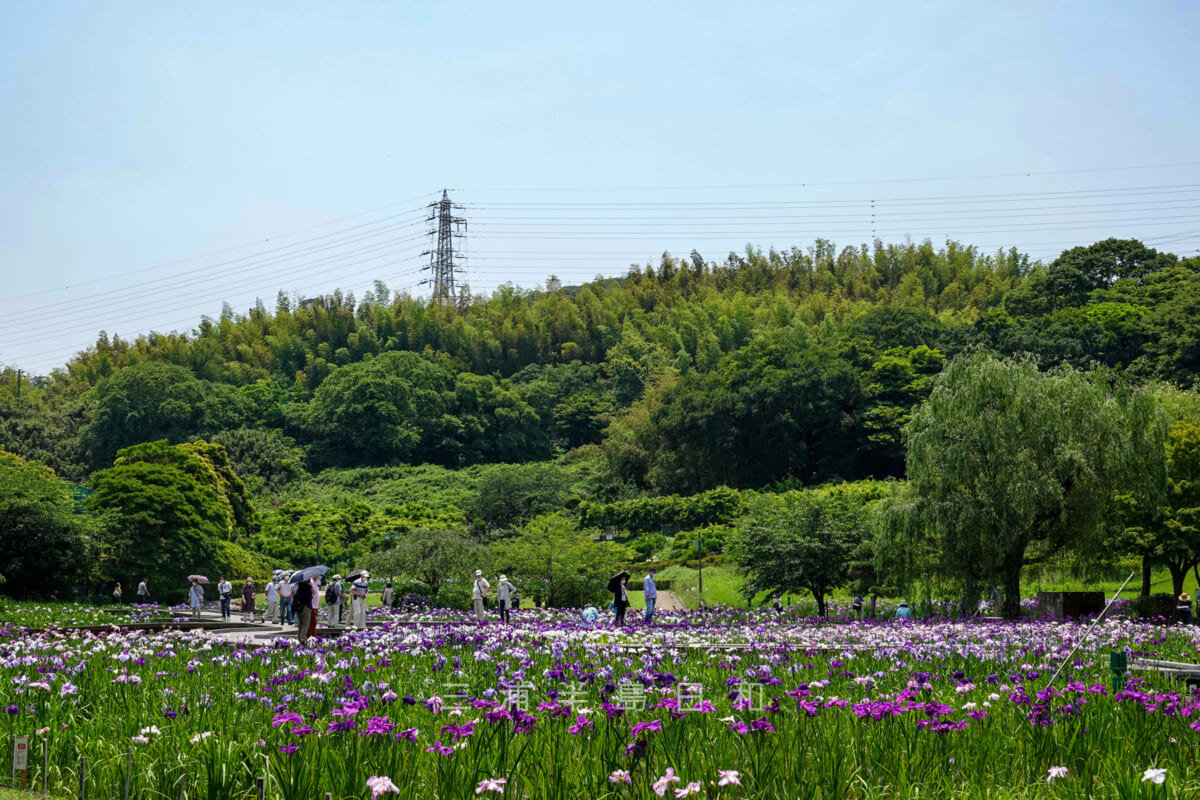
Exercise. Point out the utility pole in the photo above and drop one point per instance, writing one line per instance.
(441, 261)
(18, 384)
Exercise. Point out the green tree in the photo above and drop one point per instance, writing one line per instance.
(1073, 276)
(1007, 464)
(898, 380)
(512, 494)
(803, 541)
(150, 401)
(1174, 326)
(377, 411)
(45, 546)
(434, 557)
(554, 560)
(633, 363)
(489, 423)
(1162, 522)
(266, 459)
(781, 407)
(166, 511)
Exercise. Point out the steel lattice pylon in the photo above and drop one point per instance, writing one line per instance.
(441, 262)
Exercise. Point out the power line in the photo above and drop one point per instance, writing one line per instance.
(244, 245)
(867, 182)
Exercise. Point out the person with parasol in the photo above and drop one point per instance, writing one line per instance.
(196, 594)
(305, 598)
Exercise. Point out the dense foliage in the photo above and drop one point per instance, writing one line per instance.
(646, 406)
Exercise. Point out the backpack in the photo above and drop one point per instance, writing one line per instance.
(303, 595)
(331, 594)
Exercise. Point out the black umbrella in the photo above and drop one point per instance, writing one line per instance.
(614, 583)
(352, 575)
(308, 572)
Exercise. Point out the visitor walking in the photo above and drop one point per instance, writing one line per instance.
(143, 592)
(858, 606)
(272, 612)
(117, 594)
(302, 603)
(225, 595)
(389, 596)
(621, 601)
(650, 592)
(358, 601)
(504, 593)
(335, 598)
(248, 592)
(287, 590)
(1184, 609)
(479, 591)
(195, 597)
(314, 604)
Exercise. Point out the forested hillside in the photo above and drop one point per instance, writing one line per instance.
(766, 371)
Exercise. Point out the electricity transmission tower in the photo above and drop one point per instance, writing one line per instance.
(441, 261)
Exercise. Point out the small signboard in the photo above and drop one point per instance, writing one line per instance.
(20, 757)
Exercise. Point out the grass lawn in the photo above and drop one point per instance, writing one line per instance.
(722, 584)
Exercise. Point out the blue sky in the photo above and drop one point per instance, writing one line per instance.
(158, 160)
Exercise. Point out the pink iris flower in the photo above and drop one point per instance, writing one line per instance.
(662, 784)
(379, 785)
(729, 776)
(491, 785)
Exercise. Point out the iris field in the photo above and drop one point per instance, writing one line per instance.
(716, 704)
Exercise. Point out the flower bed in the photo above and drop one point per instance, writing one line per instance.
(737, 704)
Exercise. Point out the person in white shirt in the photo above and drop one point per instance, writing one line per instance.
(358, 601)
(504, 592)
(479, 591)
(225, 593)
(287, 590)
(272, 600)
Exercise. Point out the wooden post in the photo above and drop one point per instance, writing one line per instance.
(45, 765)
(260, 783)
(179, 788)
(83, 778)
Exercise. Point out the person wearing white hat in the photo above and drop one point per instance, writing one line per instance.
(358, 600)
(479, 591)
(504, 591)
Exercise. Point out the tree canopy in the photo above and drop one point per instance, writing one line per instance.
(1006, 462)
(46, 547)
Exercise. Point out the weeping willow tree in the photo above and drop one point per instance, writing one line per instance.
(1008, 465)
